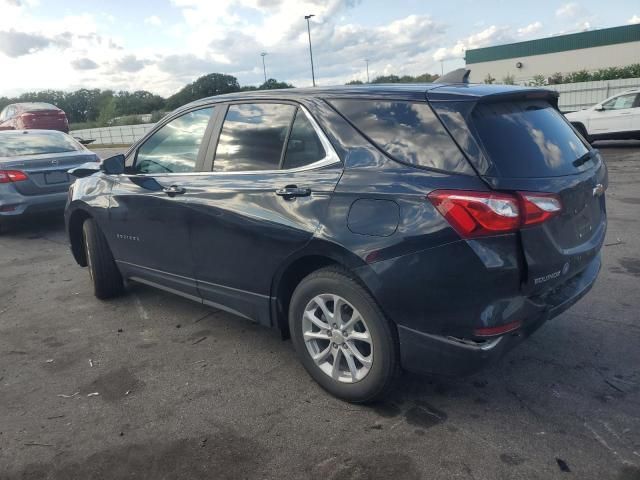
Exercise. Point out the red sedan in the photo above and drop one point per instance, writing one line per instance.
(33, 115)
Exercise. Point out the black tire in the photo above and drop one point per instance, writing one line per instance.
(385, 365)
(104, 273)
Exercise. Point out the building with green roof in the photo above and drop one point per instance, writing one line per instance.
(590, 50)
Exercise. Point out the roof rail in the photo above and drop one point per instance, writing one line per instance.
(461, 75)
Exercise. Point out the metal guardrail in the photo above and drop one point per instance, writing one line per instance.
(121, 135)
(575, 96)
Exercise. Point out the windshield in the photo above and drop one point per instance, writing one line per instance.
(20, 144)
(529, 139)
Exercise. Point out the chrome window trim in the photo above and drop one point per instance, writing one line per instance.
(331, 158)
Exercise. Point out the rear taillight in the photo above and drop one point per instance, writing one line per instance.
(538, 207)
(477, 214)
(10, 176)
(474, 214)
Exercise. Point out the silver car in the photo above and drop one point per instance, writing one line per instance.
(33, 170)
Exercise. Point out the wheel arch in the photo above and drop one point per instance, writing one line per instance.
(317, 255)
(76, 221)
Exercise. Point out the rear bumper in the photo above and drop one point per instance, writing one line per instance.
(13, 204)
(445, 355)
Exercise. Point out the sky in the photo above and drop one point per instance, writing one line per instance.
(160, 45)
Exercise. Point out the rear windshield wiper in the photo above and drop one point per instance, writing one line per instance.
(582, 160)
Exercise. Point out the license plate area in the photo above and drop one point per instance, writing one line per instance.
(55, 178)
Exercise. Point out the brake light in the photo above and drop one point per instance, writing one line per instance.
(10, 176)
(474, 214)
(477, 214)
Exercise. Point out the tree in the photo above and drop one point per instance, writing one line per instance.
(489, 79)
(206, 86)
(508, 80)
(273, 84)
(555, 79)
(354, 82)
(538, 81)
(386, 79)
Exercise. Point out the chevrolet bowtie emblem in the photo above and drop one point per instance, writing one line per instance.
(598, 190)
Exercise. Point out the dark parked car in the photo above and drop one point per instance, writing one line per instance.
(33, 115)
(429, 227)
(33, 171)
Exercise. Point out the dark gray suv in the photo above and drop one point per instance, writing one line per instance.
(429, 227)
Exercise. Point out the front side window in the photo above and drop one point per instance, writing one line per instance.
(304, 146)
(252, 137)
(174, 148)
(620, 103)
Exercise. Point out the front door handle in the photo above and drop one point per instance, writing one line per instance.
(292, 191)
(174, 190)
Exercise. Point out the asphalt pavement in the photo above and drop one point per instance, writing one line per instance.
(154, 386)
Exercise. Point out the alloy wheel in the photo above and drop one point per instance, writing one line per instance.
(337, 338)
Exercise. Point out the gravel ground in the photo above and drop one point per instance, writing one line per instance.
(153, 386)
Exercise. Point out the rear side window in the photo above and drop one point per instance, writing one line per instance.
(252, 137)
(408, 131)
(528, 139)
(304, 146)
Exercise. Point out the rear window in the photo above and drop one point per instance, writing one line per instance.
(408, 131)
(21, 144)
(528, 139)
(34, 107)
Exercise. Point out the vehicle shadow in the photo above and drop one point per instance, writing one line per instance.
(33, 226)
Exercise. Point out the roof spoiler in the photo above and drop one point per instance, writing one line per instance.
(461, 75)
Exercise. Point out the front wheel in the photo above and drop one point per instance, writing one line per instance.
(342, 337)
(104, 273)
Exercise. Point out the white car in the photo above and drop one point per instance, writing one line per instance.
(616, 118)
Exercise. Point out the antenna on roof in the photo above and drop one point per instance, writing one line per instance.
(461, 75)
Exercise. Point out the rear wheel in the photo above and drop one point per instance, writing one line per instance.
(104, 273)
(342, 337)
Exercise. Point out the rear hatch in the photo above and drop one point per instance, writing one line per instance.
(45, 119)
(519, 142)
(47, 173)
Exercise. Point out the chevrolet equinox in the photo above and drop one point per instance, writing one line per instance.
(426, 227)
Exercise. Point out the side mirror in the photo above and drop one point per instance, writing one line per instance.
(113, 165)
(599, 108)
(85, 170)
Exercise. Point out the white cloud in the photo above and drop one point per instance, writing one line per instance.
(84, 64)
(153, 20)
(530, 29)
(489, 36)
(634, 19)
(570, 10)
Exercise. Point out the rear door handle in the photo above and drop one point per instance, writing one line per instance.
(174, 190)
(292, 191)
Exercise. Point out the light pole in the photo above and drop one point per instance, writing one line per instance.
(367, 60)
(264, 68)
(313, 75)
